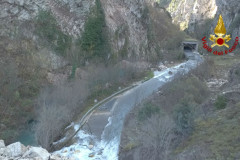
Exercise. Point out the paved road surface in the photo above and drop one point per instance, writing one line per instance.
(105, 124)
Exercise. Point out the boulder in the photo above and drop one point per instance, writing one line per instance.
(91, 155)
(58, 157)
(77, 151)
(162, 67)
(55, 157)
(40, 153)
(15, 149)
(90, 146)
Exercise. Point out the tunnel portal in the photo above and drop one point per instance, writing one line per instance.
(190, 45)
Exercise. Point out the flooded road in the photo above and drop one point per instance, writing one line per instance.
(99, 139)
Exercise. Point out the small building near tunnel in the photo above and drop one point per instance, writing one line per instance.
(190, 45)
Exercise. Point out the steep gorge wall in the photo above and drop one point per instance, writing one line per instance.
(128, 21)
(123, 18)
(190, 13)
(138, 28)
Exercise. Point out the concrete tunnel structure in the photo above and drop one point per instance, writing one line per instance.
(191, 45)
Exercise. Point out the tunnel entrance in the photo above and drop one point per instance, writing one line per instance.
(190, 45)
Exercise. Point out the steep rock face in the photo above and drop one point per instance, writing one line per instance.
(230, 10)
(123, 18)
(189, 13)
(18, 28)
(14, 12)
(137, 27)
(128, 21)
(71, 15)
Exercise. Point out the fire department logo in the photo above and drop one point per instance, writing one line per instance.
(220, 31)
(219, 39)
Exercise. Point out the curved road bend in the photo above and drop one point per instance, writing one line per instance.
(100, 137)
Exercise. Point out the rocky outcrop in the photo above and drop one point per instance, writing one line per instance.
(18, 151)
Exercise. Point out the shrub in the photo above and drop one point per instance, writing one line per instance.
(174, 41)
(145, 14)
(123, 52)
(149, 75)
(183, 117)
(56, 108)
(181, 88)
(203, 29)
(157, 136)
(19, 85)
(94, 37)
(204, 70)
(147, 111)
(48, 29)
(9, 134)
(237, 72)
(99, 75)
(74, 67)
(220, 102)
(10, 109)
(131, 145)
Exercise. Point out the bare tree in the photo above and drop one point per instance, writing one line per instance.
(56, 109)
(156, 137)
(9, 83)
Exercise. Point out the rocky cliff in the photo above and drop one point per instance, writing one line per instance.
(189, 14)
(130, 23)
(71, 15)
(124, 19)
(138, 27)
